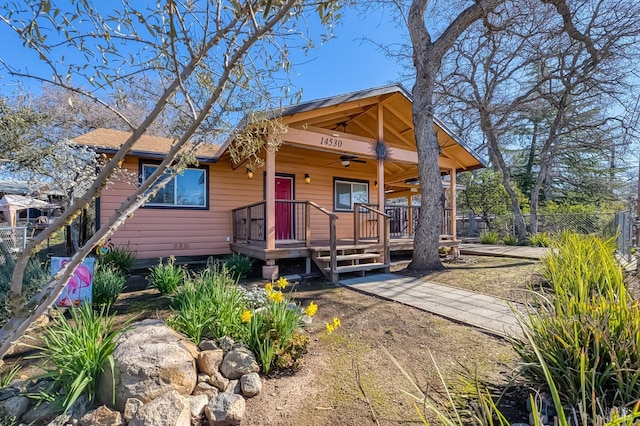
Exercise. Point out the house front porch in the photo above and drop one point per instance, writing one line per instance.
(300, 233)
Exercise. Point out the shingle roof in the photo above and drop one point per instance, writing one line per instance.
(109, 140)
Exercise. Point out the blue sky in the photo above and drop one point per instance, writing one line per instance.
(342, 64)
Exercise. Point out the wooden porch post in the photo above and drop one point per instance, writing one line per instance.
(270, 198)
(410, 214)
(381, 195)
(452, 201)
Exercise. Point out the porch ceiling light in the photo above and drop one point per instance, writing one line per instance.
(345, 163)
(307, 178)
(249, 173)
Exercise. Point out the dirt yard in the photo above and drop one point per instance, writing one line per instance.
(347, 377)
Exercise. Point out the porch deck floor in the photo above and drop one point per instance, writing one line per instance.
(485, 312)
(289, 249)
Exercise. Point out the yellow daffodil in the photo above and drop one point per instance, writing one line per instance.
(282, 283)
(311, 309)
(276, 296)
(336, 322)
(268, 287)
(330, 328)
(246, 315)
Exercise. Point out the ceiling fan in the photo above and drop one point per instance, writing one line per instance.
(346, 160)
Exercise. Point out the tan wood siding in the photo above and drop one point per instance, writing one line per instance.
(156, 232)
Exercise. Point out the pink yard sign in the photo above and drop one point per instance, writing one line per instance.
(79, 289)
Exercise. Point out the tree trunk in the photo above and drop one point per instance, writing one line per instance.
(427, 235)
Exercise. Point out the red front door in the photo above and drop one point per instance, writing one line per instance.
(284, 211)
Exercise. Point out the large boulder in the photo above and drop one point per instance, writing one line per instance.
(150, 359)
(171, 409)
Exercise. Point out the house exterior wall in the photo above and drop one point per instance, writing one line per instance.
(155, 232)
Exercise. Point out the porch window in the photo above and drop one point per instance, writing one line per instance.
(186, 190)
(348, 192)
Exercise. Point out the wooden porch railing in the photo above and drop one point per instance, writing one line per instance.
(333, 236)
(248, 222)
(366, 219)
(404, 220)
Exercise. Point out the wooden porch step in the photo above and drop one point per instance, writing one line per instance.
(349, 247)
(358, 268)
(343, 257)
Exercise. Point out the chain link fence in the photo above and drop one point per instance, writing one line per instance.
(597, 223)
(12, 241)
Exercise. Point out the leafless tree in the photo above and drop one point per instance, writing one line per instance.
(211, 58)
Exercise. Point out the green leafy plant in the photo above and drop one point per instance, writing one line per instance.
(489, 238)
(9, 376)
(108, 283)
(541, 239)
(121, 257)
(75, 351)
(273, 331)
(36, 275)
(239, 265)
(585, 331)
(510, 240)
(210, 303)
(166, 277)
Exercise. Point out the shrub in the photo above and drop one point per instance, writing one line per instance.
(108, 282)
(36, 275)
(239, 265)
(510, 240)
(489, 238)
(541, 239)
(585, 333)
(121, 257)
(75, 352)
(209, 304)
(166, 277)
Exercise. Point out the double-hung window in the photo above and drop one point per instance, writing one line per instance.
(186, 190)
(348, 192)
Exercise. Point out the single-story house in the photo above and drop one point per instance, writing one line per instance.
(318, 196)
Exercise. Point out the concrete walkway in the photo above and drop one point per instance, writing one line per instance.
(479, 310)
(518, 252)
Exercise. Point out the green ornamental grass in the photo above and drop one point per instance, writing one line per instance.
(74, 352)
(108, 283)
(489, 238)
(121, 257)
(166, 277)
(587, 330)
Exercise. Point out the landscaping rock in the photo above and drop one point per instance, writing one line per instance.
(170, 409)
(102, 416)
(238, 362)
(225, 409)
(77, 410)
(208, 345)
(250, 384)
(198, 402)
(40, 414)
(219, 381)
(226, 343)
(150, 360)
(234, 387)
(205, 389)
(203, 378)
(131, 407)
(209, 361)
(15, 406)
